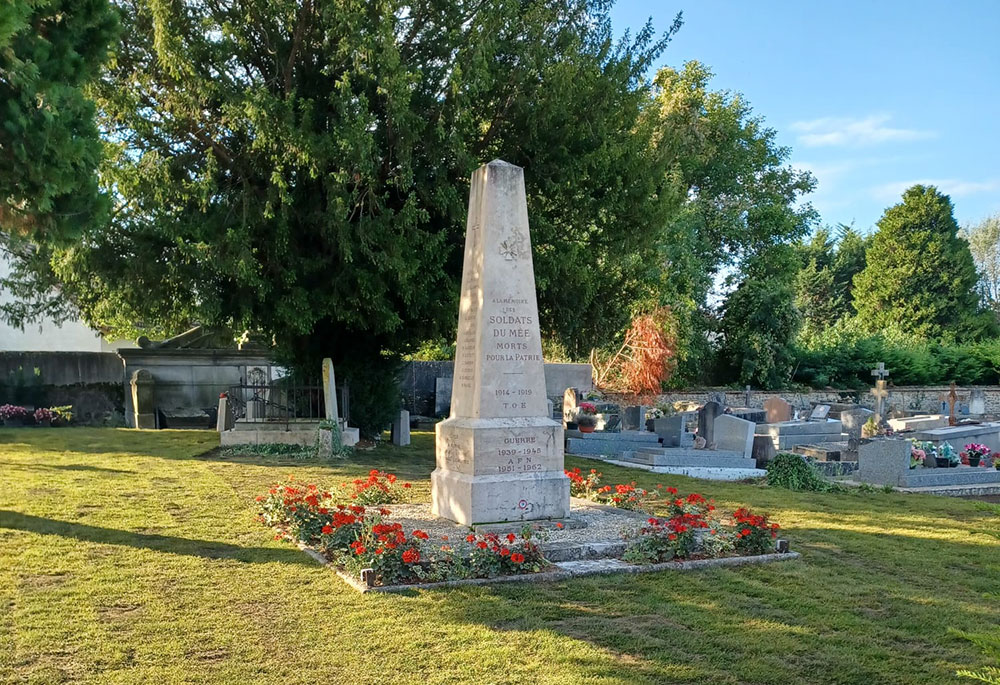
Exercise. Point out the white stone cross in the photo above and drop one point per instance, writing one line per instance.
(881, 371)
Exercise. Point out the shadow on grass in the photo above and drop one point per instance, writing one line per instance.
(12, 520)
(61, 467)
(875, 609)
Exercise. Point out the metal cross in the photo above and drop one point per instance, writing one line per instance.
(881, 372)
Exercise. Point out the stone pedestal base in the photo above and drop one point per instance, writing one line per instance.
(499, 470)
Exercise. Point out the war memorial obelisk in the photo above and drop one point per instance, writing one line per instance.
(499, 456)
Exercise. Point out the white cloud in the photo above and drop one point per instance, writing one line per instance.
(846, 131)
(949, 186)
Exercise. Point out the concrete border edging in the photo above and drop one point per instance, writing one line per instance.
(562, 573)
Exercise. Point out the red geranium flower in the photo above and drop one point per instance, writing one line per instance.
(420, 534)
(511, 537)
(470, 538)
(411, 556)
(517, 557)
(327, 529)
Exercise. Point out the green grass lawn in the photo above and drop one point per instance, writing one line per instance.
(133, 557)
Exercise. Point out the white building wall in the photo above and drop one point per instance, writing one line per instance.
(46, 336)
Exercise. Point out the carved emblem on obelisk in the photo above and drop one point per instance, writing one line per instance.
(514, 246)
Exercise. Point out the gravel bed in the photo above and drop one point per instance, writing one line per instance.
(588, 523)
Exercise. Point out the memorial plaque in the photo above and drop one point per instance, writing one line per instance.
(499, 453)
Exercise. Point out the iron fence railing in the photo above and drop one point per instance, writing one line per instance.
(283, 402)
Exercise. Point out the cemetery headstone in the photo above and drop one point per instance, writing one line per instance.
(706, 421)
(669, 429)
(763, 450)
(819, 412)
(885, 462)
(401, 429)
(853, 419)
(330, 391)
(778, 410)
(499, 457)
(442, 395)
(224, 419)
(634, 418)
(734, 435)
(143, 405)
(570, 403)
(977, 402)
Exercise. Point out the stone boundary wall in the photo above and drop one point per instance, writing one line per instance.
(911, 398)
(63, 368)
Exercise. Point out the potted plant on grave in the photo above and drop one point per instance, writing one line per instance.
(870, 428)
(948, 457)
(43, 417)
(974, 453)
(917, 455)
(586, 417)
(13, 415)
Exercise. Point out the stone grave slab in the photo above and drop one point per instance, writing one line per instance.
(748, 414)
(819, 412)
(788, 434)
(959, 436)
(919, 422)
(826, 451)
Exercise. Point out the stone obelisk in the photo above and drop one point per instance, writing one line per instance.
(499, 456)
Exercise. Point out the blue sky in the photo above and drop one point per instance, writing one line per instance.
(871, 96)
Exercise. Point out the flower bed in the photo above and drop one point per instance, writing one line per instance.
(623, 495)
(13, 415)
(362, 539)
(364, 542)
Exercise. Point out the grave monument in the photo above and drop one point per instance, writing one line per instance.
(499, 456)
